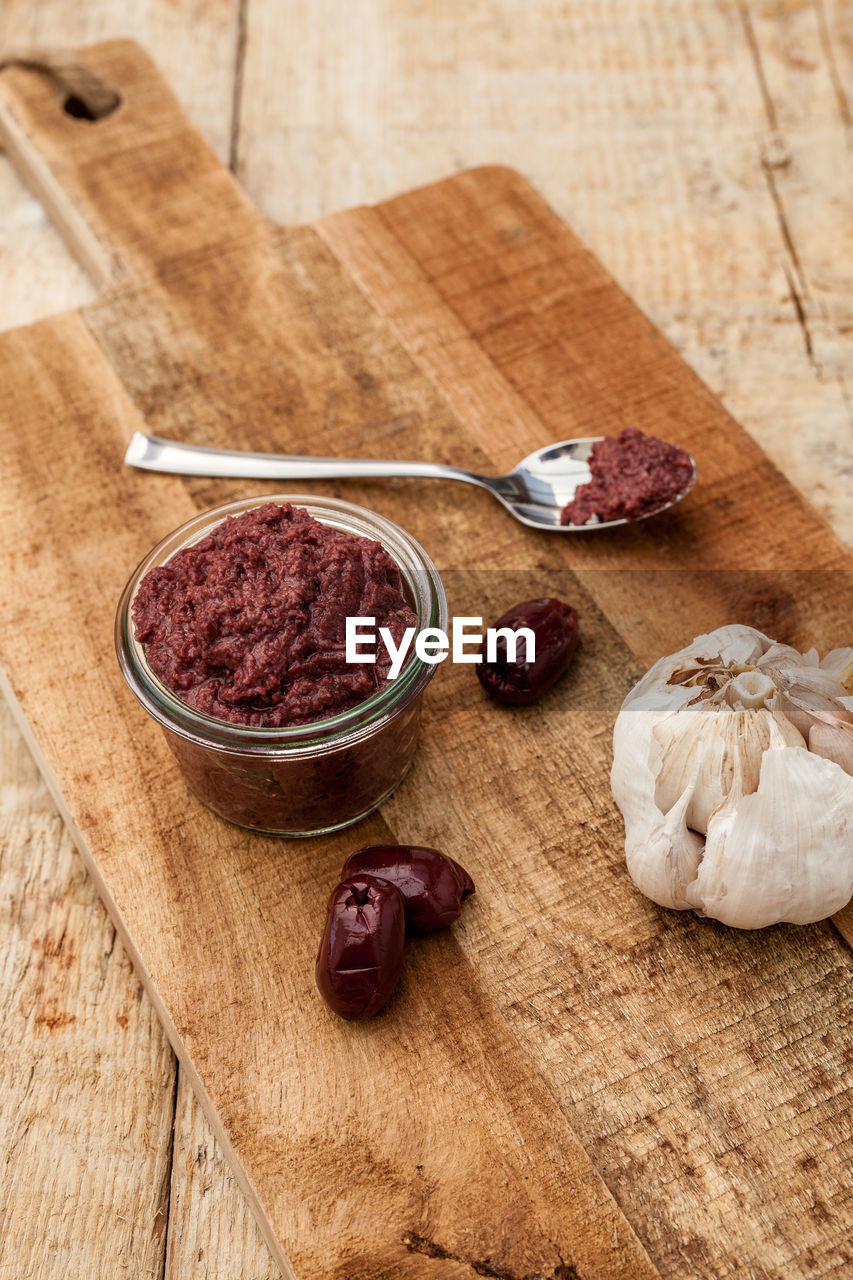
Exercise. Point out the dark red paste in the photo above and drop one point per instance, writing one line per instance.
(249, 624)
(632, 474)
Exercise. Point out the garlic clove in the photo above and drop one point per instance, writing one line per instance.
(662, 854)
(806, 707)
(784, 656)
(783, 853)
(736, 644)
(838, 664)
(700, 743)
(633, 787)
(805, 675)
(819, 704)
(732, 742)
(833, 742)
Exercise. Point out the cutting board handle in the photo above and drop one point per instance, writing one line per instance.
(84, 95)
(134, 192)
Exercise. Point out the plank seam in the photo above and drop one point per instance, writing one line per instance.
(239, 75)
(169, 1177)
(834, 75)
(196, 1084)
(793, 268)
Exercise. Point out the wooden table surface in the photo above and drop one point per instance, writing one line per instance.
(701, 150)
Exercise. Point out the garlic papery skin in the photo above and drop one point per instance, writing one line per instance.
(839, 665)
(715, 741)
(732, 768)
(770, 856)
(833, 743)
(662, 851)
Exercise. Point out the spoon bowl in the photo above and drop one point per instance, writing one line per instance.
(535, 491)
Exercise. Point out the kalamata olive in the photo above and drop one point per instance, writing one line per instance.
(361, 950)
(433, 886)
(555, 627)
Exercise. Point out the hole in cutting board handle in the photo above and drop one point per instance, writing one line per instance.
(87, 96)
(81, 110)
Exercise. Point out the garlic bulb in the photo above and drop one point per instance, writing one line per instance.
(733, 768)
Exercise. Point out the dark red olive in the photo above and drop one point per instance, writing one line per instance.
(361, 950)
(433, 886)
(555, 626)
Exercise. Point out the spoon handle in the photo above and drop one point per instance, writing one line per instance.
(152, 453)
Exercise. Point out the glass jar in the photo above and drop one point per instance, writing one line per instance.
(306, 779)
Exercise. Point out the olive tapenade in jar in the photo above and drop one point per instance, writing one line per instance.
(231, 633)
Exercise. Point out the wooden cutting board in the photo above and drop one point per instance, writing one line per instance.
(572, 1082)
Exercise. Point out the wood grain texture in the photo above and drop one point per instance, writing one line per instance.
(39, 275)
(503, 544)
(212, 1234)
(86, 1074)
(197, 46)
(502, 1176)
(198, 49)
(593, 1236)
(701, 151)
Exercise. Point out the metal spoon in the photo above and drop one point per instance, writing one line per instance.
(535, 491)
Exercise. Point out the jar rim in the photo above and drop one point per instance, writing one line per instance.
(416, 568)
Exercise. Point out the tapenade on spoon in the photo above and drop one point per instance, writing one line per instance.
(632, 475)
